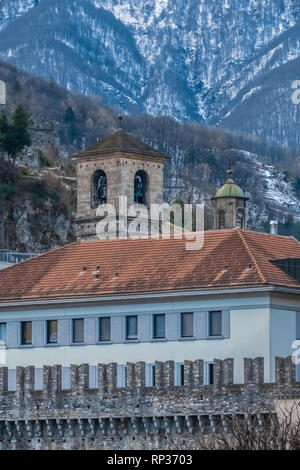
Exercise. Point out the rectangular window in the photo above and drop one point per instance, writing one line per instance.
(215, 323)
(52, 332)
(153, 375)
(104, 325)
(159, 328)
(297, 325)
(26, 332)
(211, 377)
(187, 328)
(150, 375)
(78, 330)
(132, 327)
(2, 333)
(121, 376)
(181, 374)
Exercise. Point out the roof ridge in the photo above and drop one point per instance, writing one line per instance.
(123, 142)
(251, 254)
(295, 239)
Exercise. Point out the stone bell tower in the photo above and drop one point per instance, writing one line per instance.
(119, 165)
(229, 206)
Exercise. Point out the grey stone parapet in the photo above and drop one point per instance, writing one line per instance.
(254, 370)
(285, 371)
(107, 415)
(223, 373)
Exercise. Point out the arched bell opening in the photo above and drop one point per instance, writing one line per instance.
(99, 188)
(141, 187)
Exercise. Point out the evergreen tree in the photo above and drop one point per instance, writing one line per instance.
(14, 132)
(69, 115)
(71, 127)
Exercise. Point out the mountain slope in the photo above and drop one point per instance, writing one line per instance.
(44, 187)
(230, 63)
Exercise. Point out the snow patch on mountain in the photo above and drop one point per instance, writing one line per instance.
(276, 188)
(191, 59)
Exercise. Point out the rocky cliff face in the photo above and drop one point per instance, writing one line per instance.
(230, 63)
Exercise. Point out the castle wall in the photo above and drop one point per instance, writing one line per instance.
(135, 416)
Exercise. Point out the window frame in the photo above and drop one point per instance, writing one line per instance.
(182, 314)
(5, 341)
(122, 376)
(100, 319)
(209, 324)
(22, 335)
(72, 331)
(131, 337)
(154, 336)
(209, 373)
(47, 332)
(150, 374)
(297, 325)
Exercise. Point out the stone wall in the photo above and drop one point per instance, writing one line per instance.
(135, 416)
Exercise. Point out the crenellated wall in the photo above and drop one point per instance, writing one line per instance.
(135, 416)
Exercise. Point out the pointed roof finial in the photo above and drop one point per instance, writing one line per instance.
(120, 117)
(230, 171)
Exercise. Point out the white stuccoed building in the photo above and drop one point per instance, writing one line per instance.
(151, 299)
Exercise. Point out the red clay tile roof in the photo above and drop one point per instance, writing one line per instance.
(229, 259)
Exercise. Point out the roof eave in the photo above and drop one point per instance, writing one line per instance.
(119, 153)
(149, 295)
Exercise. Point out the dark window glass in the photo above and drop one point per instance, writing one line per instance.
(52, 331)
(26, 332)
(159, 326)
(211, 374)
(78, 330)
(104, 329)
(221, 219)
(2, 333)
(187, 329)
(215, 323)
(298, 325)
(153, 376)
(131, 327)
(125, 377)
(181, 382)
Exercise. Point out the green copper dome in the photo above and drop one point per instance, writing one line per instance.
(230, 189)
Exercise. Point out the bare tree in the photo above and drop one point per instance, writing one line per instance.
(276, 428)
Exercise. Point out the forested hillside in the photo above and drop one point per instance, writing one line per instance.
(38, 188)
(229, 63)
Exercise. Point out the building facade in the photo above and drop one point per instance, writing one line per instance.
(123, 301)
(104, 301)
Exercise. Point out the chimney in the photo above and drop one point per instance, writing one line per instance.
(274, 227)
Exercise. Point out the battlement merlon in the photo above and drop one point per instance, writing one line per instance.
(285, 372)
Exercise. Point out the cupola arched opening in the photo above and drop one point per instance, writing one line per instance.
(141, 187)
(240, 218)
(221, 219)
(99, 188)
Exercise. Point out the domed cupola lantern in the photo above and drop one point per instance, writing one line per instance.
(229, 206)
